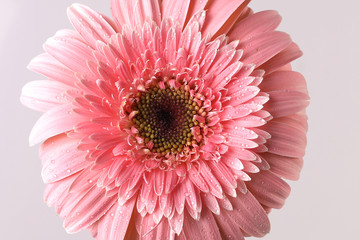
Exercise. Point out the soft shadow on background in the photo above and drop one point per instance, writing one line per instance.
(324, 203)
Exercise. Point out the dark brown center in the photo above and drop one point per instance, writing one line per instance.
(165, 117)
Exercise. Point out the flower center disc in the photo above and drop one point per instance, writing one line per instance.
(165, 118)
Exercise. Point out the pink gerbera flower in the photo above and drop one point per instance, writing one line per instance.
(176, 120)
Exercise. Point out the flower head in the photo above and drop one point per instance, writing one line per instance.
(176, 119)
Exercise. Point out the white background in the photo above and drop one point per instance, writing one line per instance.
(324, 203)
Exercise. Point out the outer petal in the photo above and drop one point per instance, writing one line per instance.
(261, 48)
(228, 228)
(71, 52)
(205, 228)
(195, 7)
(286, 167)
(254, 25)
(284, 80)
(161, 232)
(177, 10)
(135, 12)
(286, 140)
(115, 223)
(249, 215)
(54, 193)
(282, 59)
(61, 158)
(235, 17)
(284, 102)
(57, 120)
(218, 12)
(88, 210)
(90, 24)
(53, 69)
(268, 189)
(43, 95)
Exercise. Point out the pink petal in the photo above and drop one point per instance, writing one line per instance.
(217, 13)
(195, 7)
(145, 225)
(179, 199)
(192, 196)
(298, 120)
(167, 204)
(176, 222)
(243, 95)
(43, 95)
(176, 10)
(158, 214)
(209, 56)
(115, 223)
(58, 120)
(241, 153)
(54, 193)
(225, 76)
(205, 228)
(86, 179)
(283, 58)
(171, 181)
(131, 173)
(226, 56)
(151, 9)
(134, 12)
(148, 196)
(88, 210)
(104, 158)
(268, 189)
(214, 185)
(253, 25)
(264, 46)
(285, 167)
(239, 126)
(90, 24)
(235, 17)
(51, 68)
(122, 12)
(250, 167)
(225, 203)
(229, 230)
(210, 202)
(249, 215)
(65, 206)
(71, 52)
(197, 179)
(242, 132)
(233, 163)
(284, 80)
(159, 182)
(161, 232)
(226, 178)
(61, 158)
(170, 46)
(286, 140)
(231, 113)
(285, 102)
(238, 141)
